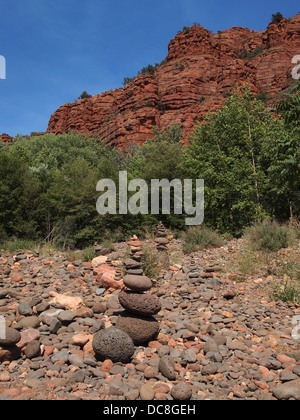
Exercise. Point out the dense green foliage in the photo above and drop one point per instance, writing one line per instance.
(270, 236)
(250, 163)
(249, 55)
(277, 17)
(248, 157)
(85, 95)
(148, 70)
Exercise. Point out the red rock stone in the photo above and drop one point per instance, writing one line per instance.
(106, 366)
(105, 274)
(201, 67)
(5, 138)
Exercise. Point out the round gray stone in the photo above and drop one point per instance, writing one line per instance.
(113, 344)
(25, 309)
(66, 317)
(12, 337)
(182, 392)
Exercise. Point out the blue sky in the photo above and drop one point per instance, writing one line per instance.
(56, 49)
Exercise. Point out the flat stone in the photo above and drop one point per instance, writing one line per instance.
(48, 316)
(30, 322)
(139, 303)
(287, 391)
(162, 241)
(27, 336)
(132, 264)
(66, 317)
(60, 356)
(138, 283)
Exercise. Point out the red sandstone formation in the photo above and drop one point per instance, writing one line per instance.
(201, 69)
(5, 138)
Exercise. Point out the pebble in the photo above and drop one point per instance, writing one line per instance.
(167, 367)
(32, 349)
(147, 392)
(220, 335)
(11, 338)
(182, 392)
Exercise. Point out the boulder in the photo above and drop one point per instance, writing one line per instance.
(139, 303)
(113, 344)
(105, 275)
(142, 330)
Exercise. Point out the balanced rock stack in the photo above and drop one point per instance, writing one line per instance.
(194, 275)
(161, 238)
(137, 320)
(118, 270)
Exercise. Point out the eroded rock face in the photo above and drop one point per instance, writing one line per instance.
(5, 138)
(201, 68)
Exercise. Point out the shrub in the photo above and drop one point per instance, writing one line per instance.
(88, 254)
(200, 237)
(127, 80)
(289, 292)
(85, 95)
(18, 244)
(277, 17)
(151, 261)
(248, 55)
(269, 236)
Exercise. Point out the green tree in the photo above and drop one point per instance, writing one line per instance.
(18, 198)
(85, 95)
(277, 17)
(284, 170)
(227, 152)
(159, 158)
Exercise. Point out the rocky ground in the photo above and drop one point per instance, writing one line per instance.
(221, 336)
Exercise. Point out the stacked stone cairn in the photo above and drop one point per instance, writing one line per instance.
(161, 238)
(140, 307)
(194, 274)
(118, 270)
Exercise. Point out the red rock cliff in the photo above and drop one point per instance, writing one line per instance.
(201, 68)
(5, 138)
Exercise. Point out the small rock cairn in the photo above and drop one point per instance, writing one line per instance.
(161, 238)
(162, 247)
(137, 320)
(194, 274)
